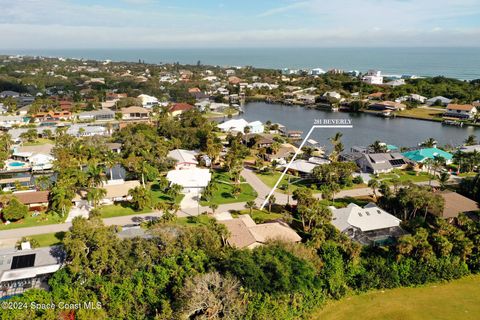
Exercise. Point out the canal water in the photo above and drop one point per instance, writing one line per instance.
(366, 128)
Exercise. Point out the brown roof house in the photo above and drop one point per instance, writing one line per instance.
(35, 200)
(245, 233)
(455, 204)
(461, 111)
(179, 108)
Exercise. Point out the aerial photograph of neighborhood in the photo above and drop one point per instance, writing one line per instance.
(274, 159)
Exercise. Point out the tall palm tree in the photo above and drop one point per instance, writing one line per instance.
(94, 195)
(271, 201)
(373, 184)
(111, 160)
(250, 205)
(213, 206)
(429, 143)
(95, 176)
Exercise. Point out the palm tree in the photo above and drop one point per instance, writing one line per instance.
(271, 201)
(429, 143)
(443, 179)
(213, 206)
(337, 146)
(61, 199)
(250, 205)
(378, 147)
(95, 176)
(94, 195)
(111, 160)
(373, 184)
(174, 191)
(43, 182)
(471, 140)
(141, 197)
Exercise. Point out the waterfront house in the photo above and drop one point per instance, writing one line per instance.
(387, 105)
(284, 152)
(461, 111)
(184, 159)
(239, 125)
(469, 149)
(97, 115)
(332, 94)
(245, 233)
(369, 225)
(135, 113)
(179, 108)
(301, 167)
(381, 162)
(438, 100)
(28, 268)
(375, 96)
(420, 155)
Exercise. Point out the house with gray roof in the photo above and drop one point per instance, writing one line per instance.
(97, 115)
(443, 101)
(369, 225)
(381, 162)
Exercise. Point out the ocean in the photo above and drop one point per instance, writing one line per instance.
(460, 63)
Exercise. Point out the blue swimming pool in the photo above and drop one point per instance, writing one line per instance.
(16, 164)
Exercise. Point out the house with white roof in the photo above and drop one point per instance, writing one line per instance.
(373, 77)
(148, 101)
(185, 159)
(238, 125)
(438, 100)
(369, 225)
(192, 181)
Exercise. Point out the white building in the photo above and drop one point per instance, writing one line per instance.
(192, 181)
(238, 125)
(366, 225)
(148, 101)
(317, 72)
(373, 77)
(185, 159)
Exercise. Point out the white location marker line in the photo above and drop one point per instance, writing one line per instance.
(296, 153)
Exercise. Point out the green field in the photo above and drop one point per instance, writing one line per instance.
(224, 187)
(458, 299)
(48, 239)
(40, 220)
(403, 176)
(422, 113)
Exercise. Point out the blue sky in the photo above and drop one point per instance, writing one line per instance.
(52, 24)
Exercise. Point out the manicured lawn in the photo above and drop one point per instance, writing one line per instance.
(118, 210)
(159, 196)
(40, 220)
(343, 202)
(224, 195)
(459, 299)
(38, 142)
(194, 221)
(422, 113)
(49, 239)
(259, 216)
(403, 176)
(126, 209)
(295, 182)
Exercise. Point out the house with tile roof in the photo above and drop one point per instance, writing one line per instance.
(245, 233)
(461, 111)
(185, 159)
(420, 155)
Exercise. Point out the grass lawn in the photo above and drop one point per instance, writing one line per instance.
(259, 216)
(403, 176)
(38, 142)
(40, 220)
(459, 299)
(422, 113)
(343, 202)
(117, 210)
(295, 182)
(126, 209)
(49, 239)
(223, 194)
(194, 221)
